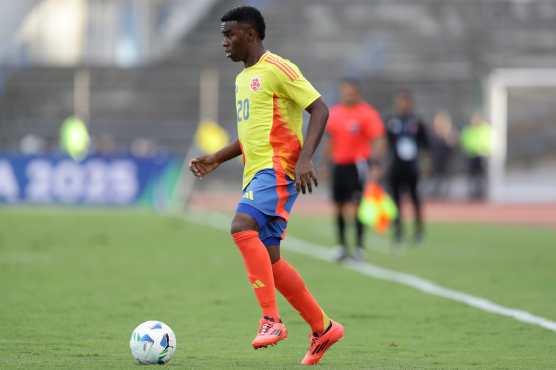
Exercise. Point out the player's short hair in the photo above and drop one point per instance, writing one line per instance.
(247, 15)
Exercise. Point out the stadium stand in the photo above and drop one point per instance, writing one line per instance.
(440, 49)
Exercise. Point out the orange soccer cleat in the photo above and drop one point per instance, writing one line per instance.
(269, 333)
(320, 344)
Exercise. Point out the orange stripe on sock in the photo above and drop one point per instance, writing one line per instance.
(282, 68)
(283, 64)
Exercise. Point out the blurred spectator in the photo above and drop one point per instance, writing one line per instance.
(443, 142)
(32, 144)
(104, 144)
(142, 147)
(74, 137)
(475, 139)
(353, 127)
(407, 136)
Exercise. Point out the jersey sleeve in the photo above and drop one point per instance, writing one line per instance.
(294, 86)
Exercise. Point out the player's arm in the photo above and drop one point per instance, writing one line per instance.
(423, 135)
(378, 145)
(378, 159)
(423, 144)
(326, 152)
(304, 172)
(202, 166)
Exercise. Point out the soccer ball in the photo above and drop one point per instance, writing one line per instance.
(152, 342)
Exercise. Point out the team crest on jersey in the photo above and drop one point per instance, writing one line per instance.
(256, 84)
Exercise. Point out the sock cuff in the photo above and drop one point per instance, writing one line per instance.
(278, 264)
(246, 234)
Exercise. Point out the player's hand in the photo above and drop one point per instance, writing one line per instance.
(305, 176)
(202, 166)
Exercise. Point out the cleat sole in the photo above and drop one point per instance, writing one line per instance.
(269, 345)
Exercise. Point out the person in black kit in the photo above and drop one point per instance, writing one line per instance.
(406, 136)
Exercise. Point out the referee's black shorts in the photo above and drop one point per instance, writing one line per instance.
(348, 181)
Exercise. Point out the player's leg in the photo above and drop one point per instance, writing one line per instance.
(245, 226)
(395, 186)
(324, 332)
(340, 216)
(340, 210)
(359, 228)
(413, 185)
(269, 195)
(245, 233)
(474, 169)
(359, 185)
(359, 253)
(291, 285)
(339, 195)
(288, 281)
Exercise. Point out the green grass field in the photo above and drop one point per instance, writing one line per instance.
(75, 283)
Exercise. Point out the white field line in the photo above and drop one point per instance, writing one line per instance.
(294, 244)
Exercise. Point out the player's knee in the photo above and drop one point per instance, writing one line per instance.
(237, 226)
(274, 253)
(243, 222)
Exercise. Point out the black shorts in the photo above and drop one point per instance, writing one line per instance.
(348, 181)
(403, 178)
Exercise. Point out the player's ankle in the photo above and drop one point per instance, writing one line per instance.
(273, 318)
(323, 331)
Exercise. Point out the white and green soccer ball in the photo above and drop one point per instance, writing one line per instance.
(152, 342)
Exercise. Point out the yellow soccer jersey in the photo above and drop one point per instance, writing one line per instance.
(271, 96)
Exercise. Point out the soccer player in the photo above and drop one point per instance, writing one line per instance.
(271, 94)
(353, 127)
(407, 136)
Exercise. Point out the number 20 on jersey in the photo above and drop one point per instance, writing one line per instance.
(243, 110)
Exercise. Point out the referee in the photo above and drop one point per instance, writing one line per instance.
(352, 127)
(406, 136)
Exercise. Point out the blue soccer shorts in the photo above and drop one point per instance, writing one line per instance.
(269, 198)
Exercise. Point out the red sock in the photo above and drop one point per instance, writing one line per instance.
(259, 270)
(291, 285)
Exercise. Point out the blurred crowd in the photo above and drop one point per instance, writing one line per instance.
(448, 142)
(451, 150)
(103, 144)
